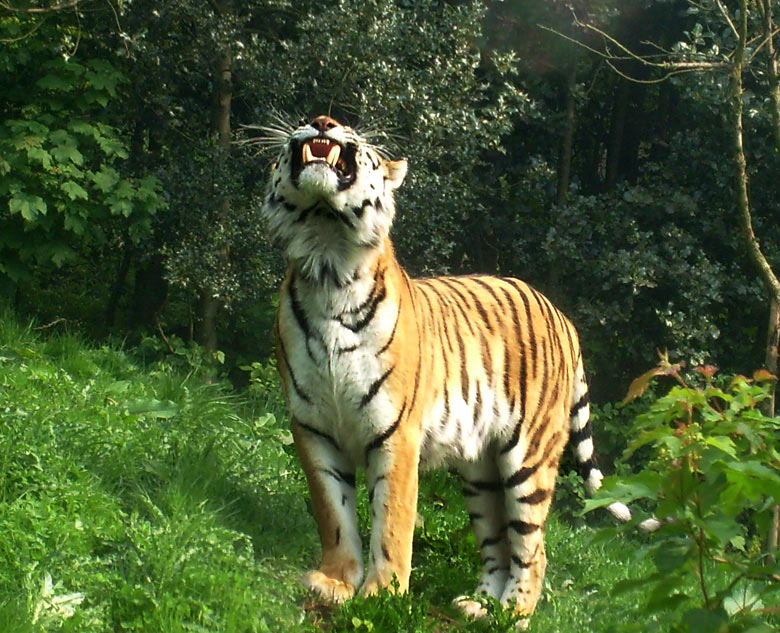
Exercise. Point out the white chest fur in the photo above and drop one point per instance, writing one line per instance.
(333, 339)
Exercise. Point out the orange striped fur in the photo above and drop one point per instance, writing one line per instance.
(392, 374)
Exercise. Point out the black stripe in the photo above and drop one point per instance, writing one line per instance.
(512, 440)
(521, 476)
(338, 535)
(392, 334)
(373, 488)
(486, 361)
(305, 213)
(371, 294)
(523, 378)
(459, 301)
(416, 382)
(318, 433)
(531, 334)
(582, 402)
(536, 497)
(491, 541)
(300, 315)
(464, 377)
(296, 387)
(583, 434)
(342, 476)
(374, 388)
(523, 528)
(485, 486)
(475, 516)
(481, 281)
(385, 553)
(478, 305)
(381, 438)
(538, 432)
(477, 404)
(380, 296)
(585, 468)
(359, 210)
(445, 416)
(520, 562)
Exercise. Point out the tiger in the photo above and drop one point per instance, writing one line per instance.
(392, 374)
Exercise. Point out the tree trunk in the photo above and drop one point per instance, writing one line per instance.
(209, 300)
(617, 133)
(567, 138)
(117, 288)
(743, 201)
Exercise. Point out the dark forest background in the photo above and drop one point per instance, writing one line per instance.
(601, 171)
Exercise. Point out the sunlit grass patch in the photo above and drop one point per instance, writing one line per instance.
(138, 498)
(156, 499)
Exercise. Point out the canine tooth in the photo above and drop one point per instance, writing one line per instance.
(307, 155)
(333, 155)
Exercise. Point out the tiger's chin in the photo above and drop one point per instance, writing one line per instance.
(318, 180)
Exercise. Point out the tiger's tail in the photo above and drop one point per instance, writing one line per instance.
(581, 440)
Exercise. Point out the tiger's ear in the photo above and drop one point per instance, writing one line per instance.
(395, 172)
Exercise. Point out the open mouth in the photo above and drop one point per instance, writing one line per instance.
(321, 148)
(324, 150)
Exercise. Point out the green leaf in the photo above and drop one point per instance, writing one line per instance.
(60, 254)
(106, 178)
(39, 155)
(122, 207)
(118, 387)
(28, 205)
(61, 83)
(704, 621)
(722, 443)
(153, 407)
(74, 190)
(68, 152)
(112, 146)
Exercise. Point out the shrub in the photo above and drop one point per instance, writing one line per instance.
(713, 478)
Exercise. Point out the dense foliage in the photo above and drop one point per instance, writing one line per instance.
(529, 156)
(711, 479)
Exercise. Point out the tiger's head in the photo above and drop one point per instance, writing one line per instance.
(329, 202)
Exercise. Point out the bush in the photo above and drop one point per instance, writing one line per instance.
(713, 478)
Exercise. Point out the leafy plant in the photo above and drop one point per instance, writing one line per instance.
(64, 185)
(712, 480)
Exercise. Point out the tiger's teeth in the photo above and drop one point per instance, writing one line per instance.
(333, 155)
(307, 155)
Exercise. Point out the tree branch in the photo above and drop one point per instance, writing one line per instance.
(57, 7)
(671, 68)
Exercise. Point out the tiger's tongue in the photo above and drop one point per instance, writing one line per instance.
(320, 150)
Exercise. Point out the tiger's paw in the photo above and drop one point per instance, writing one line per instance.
(373, 584)
(330, 589)
(475, 609)
(469, 607)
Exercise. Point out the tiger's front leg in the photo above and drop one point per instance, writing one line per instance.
(392, 471)
(331, 480)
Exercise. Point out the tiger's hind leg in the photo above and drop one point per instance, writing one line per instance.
(529, 480)
(483, 492)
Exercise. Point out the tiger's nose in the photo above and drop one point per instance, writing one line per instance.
(324, 123)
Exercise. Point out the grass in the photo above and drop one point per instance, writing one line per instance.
(138, 495)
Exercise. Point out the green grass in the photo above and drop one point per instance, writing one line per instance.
(138, 495)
